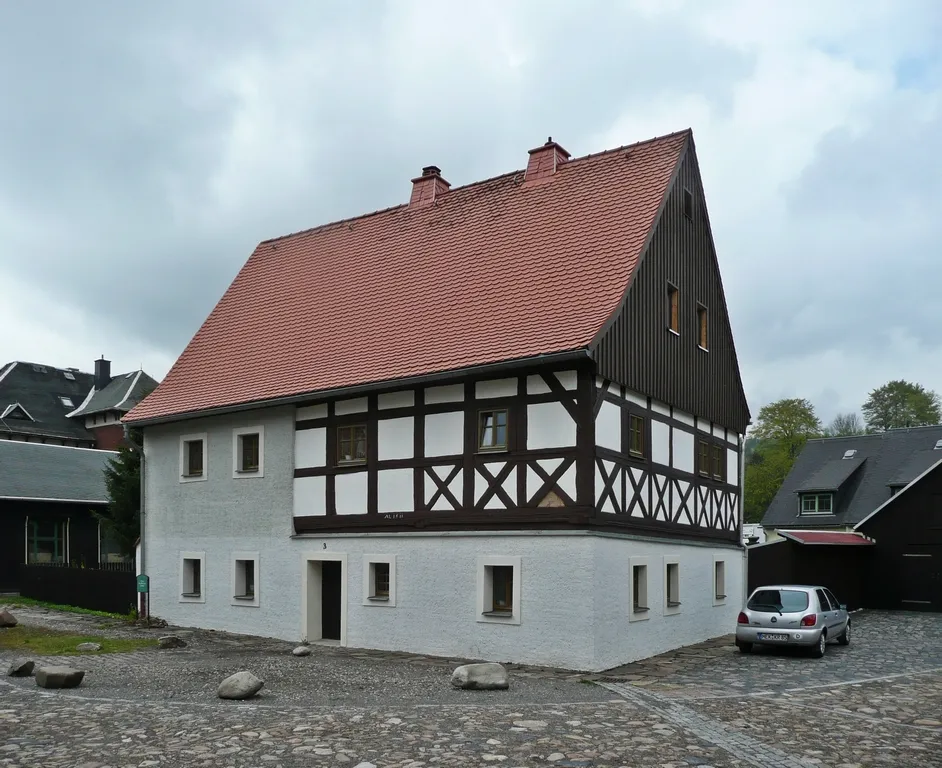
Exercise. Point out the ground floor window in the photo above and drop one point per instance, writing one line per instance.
(46, 541)
(638, 608)
(192, 577)
(379, 580)
(499, 589)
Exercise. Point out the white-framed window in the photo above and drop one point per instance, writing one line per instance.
(639, 607)
(193, 455)
(192, 577)
(245, 578)
(498, 589)
(379, 580)
(817, 504)
(248, 452)
(719, 581)
(671, 586)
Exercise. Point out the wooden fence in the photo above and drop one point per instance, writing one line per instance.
(98, 589)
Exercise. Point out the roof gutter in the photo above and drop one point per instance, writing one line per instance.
(361, 389)
(60, 501)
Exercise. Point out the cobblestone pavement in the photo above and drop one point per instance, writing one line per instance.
(877, 702)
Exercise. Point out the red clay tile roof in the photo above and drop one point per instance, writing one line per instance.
(828, 537)
(492, 271)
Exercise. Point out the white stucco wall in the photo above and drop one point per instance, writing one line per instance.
(574, 586)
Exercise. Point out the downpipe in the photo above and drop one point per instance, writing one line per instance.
(143, 607)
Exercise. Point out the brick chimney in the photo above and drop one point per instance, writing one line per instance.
(428, 187)
(102, 373)
(545, 160)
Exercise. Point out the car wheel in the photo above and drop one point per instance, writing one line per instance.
(844, 639)
(745, 647)
(819, 648)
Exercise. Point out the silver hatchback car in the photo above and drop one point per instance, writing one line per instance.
(792, 615)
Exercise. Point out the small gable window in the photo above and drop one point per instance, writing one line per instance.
(817, 504)
(492, 430)
(688, 203)
(351, 444)
(702, 336)
(673, 308)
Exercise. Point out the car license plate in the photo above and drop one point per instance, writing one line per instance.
(773, 637)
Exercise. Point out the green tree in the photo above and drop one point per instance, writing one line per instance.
(788, 423)
(899, 404)
(845, 425)
(765, 472)
(121, 519)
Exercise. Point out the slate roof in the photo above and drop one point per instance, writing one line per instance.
(831, 475)
(888, 456)
(37, 471)
(495, 271)
(38, 389)
(122, 393)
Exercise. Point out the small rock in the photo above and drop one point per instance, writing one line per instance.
(927, 722)
(364, 765)
(241, 685)
(342, 758)
(59, 677)
(555, 757)
(482, 677)
(302, 650)
(530, 724)
(394, 721)
(88, 647)
(170, 641)
(7, 619)
(21, 668)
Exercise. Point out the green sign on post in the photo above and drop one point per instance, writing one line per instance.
(143, 583)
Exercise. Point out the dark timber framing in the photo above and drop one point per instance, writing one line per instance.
(518, 510)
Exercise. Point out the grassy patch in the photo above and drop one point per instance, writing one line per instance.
(48, 642)
(28, 602)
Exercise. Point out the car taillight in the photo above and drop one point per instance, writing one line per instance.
(743, 619)
(810, 620)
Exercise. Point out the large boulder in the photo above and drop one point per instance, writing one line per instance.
(21, 668)
(7, 619)
(88, 647)
(59, 677)
(481, 677)
(241, 685)
(170, 641)
(302, 650)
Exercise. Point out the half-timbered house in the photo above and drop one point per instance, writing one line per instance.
(500, 421)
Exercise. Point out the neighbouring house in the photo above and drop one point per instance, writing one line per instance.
(501, 421)
(47, 493)
(64, 406)
(862, 515)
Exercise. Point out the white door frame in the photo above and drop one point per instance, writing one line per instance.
(311, 595)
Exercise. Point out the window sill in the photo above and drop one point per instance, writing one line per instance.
(193, 477)
(676, 333)
(640, 609)
(719, 597)
(247, 471)
(494, 449)
(702, 348)
(244, 597)
(378, 599)
(192, 595)
(356, 463)
(498, 614)
(673, 603)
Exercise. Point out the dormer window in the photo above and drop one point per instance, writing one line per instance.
(938, 445)
(66, 401)
(850, 454)
(817, 504)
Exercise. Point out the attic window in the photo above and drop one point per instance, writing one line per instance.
(702, 326)
(69, 375)
(853, 452)
(66, 401)
(688, 203)
(673, 308)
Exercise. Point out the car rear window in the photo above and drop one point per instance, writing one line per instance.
(784, 600)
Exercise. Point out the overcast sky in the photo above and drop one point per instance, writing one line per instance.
(146, 148)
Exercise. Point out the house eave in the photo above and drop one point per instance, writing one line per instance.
(575, 355)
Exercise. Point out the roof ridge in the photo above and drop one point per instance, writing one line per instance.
(462, 187)
(894, 430)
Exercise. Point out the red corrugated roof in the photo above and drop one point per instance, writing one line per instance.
(843, 538)
(493, 271)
